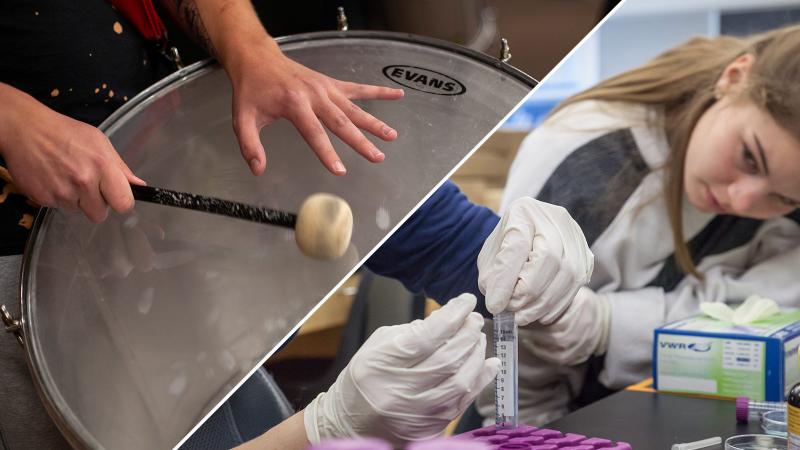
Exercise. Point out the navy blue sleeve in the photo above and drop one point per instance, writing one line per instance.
(436, 250)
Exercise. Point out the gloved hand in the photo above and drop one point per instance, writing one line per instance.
(534, 262)
(408, 381)
(582, 331)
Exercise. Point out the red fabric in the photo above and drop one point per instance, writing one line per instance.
(144, 17)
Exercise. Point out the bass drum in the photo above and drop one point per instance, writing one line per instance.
(135, 329)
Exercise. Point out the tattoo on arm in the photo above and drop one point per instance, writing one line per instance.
(190, 16)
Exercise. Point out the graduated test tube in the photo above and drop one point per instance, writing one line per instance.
(505, 348)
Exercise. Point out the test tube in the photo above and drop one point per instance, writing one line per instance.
(505, 348)
(747, 410)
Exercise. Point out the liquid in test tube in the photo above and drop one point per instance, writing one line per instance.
(505, 348)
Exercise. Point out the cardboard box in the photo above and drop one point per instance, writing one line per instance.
(701, 355)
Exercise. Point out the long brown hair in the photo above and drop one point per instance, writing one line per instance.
(682, 81)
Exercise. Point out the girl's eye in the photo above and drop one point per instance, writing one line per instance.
(749, 158)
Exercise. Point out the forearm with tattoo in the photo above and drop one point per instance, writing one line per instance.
(189, 15)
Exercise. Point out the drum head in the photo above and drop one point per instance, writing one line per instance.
(136, 328)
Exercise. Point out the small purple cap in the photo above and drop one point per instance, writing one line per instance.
(742, 407)
(568, 439)
(485, 431)
(510, 446)
(547, 433)
(448, 444)
(520, 431)
(597, 442)
(352, 444)
(527, 440)
(496, 439)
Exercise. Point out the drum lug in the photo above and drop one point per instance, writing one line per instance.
(341, 19)
(12, 325)
(175, 56)
(170, 52)
(505, 50)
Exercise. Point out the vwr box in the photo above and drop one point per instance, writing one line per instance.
(702, 355)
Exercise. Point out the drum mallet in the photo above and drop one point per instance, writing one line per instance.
(322, 227)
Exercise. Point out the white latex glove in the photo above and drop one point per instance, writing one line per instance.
(754, 308)
(534, 262)
(582, 331)
(407, 382)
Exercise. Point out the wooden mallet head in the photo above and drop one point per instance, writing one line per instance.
(324, 226)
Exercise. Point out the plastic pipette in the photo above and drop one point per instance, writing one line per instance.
(505, 348)
(698, 444)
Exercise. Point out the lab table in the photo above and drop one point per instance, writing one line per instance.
(656, 421)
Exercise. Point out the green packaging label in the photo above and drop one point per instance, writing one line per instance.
(715, 366)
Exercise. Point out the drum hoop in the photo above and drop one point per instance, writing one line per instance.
(415, 39)
(52, 400)
(72, 430)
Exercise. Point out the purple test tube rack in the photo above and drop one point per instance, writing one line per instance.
(526, 437)
(523, 437)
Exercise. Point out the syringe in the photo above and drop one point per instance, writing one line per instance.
(505, 348)
(747, 410)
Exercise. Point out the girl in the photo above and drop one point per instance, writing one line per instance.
(683, 175)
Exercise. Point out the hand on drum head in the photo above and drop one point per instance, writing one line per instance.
(272, 86)
(60, 162)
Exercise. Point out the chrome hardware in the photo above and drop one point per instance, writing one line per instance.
(505, 50)
(12, 325)
(341, 19)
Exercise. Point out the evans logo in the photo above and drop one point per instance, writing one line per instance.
(700, 347)
(424, 80)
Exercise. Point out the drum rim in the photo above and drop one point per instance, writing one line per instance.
(416, 39)
(72, 429)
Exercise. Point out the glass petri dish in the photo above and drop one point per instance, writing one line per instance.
(756, 442)
(774, 422)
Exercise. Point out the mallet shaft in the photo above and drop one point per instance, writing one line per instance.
(214, 205)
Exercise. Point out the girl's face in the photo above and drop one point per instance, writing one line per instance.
(739, 161)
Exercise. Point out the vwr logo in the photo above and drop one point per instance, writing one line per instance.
(700, 347)
(424, 80)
